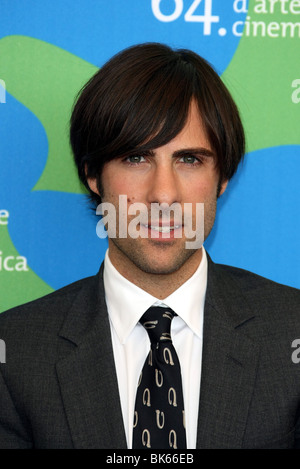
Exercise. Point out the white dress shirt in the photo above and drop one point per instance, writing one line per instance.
(126, 303)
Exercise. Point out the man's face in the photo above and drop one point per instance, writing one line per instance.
(179, 172)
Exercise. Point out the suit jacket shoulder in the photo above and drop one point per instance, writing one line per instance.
(265, 297)
(56, 303)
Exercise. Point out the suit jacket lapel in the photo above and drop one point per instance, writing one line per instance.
(229, 364)
(87, 375)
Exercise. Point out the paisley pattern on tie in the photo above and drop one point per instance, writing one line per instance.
(159, 420)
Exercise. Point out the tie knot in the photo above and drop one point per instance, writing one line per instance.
(157, 322)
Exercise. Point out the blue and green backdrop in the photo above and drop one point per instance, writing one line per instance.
(50, 48)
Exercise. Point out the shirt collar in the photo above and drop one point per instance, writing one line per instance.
(126, 302)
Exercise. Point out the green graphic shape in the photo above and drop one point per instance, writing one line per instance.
(260, 77)
(17, 287)
(46, 79)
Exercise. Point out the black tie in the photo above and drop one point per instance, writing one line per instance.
(159, 421)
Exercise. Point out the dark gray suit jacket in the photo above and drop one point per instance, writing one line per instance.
(58, 387)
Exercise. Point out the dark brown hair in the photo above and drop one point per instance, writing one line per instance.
(140, 100)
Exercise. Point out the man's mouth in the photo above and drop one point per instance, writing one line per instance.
(163, 229)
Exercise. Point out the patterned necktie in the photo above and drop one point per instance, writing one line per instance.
(159, 421)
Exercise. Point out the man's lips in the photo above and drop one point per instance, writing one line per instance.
(163, 229)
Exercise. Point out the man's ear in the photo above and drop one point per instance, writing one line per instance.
(223, 186)
(92, 182)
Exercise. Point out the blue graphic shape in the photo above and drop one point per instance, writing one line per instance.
(23, 151)
(95, 30)
(258, 221)
(59, 238)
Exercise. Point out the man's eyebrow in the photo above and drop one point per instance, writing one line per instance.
(200, 151)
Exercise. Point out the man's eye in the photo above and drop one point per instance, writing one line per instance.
(135, 159)
(189, 159)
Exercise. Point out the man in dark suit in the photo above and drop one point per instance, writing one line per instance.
(159, 127)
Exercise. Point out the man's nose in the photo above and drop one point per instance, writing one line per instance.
(164, 185)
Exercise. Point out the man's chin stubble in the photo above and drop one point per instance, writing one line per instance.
(139, 260)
